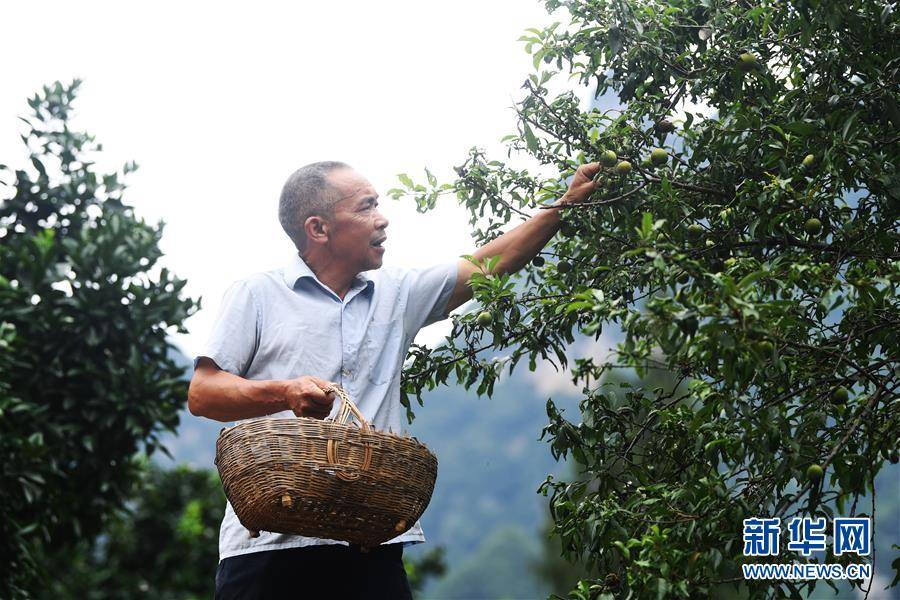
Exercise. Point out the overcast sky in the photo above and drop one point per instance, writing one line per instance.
(219, 102)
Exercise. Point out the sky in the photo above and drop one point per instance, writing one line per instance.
(219, 102)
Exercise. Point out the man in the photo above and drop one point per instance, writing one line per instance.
(333, 315)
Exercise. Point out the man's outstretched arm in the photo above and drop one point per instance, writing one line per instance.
(518, 246)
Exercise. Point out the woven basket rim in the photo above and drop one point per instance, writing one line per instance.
(225, 430)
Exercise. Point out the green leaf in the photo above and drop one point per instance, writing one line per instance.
(804, 128)
(530, 140)
(750, 279)
(625, 551)
(849, 123)
(646, 225)
(405, 180)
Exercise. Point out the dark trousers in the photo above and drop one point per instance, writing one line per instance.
(325, 571)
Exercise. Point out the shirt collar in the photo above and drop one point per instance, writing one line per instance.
(297, 269)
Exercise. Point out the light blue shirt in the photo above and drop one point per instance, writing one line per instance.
(285, 323)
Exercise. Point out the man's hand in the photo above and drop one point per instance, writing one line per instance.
(516, 247)
(307, 398)
(582, 185)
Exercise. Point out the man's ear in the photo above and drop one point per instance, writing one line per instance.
(317, 230)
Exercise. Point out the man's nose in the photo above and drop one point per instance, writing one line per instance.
(381, 221)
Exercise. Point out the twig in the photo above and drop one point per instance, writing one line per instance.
(598, 202)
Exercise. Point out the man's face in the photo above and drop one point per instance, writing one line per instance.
(357, 227)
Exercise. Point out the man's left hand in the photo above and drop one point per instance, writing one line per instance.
(582, 185)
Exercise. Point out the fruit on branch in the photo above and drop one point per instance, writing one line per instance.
(747, 62)
(765, 347)
(725, 214)
(840, 395)
(623, 168)
(538, 261)
(809, 161)
(659, 156)
(813, 226)
(814, 473)
(695, 231)
(484, 319)
(665, 126)
(608, 158)
(563, 267)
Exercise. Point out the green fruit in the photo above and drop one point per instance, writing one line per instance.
(647, 164)
(814, 473)
(695, 230)
(623, 168)
(747, 62)
(808, 161)
(659, 156)
(765, 347)
(608, 158)
(538, 261)
(665, 126)
(730, 262)
(563, 267)
(813, 226)
(485, 319)
(840, 395)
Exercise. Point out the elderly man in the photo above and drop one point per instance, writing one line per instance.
(333, 315)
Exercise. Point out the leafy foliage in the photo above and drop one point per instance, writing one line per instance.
(430, 565)
(87, 377)
(759, 264)
(164, 544)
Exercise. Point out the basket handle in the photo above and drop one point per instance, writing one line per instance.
(347, 409)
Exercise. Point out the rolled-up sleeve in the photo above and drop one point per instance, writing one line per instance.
(429, 293)
(235, 335)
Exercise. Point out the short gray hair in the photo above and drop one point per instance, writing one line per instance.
(307, 193)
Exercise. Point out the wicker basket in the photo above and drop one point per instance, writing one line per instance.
(325, 479)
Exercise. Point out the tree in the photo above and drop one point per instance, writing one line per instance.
(163, 545)
(87, 377)
(429, 565)
(758, 262)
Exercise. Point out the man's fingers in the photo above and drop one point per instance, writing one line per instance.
(318, 414)
(591, 170)
(318, 395)
(310, 408)
(323, 384)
